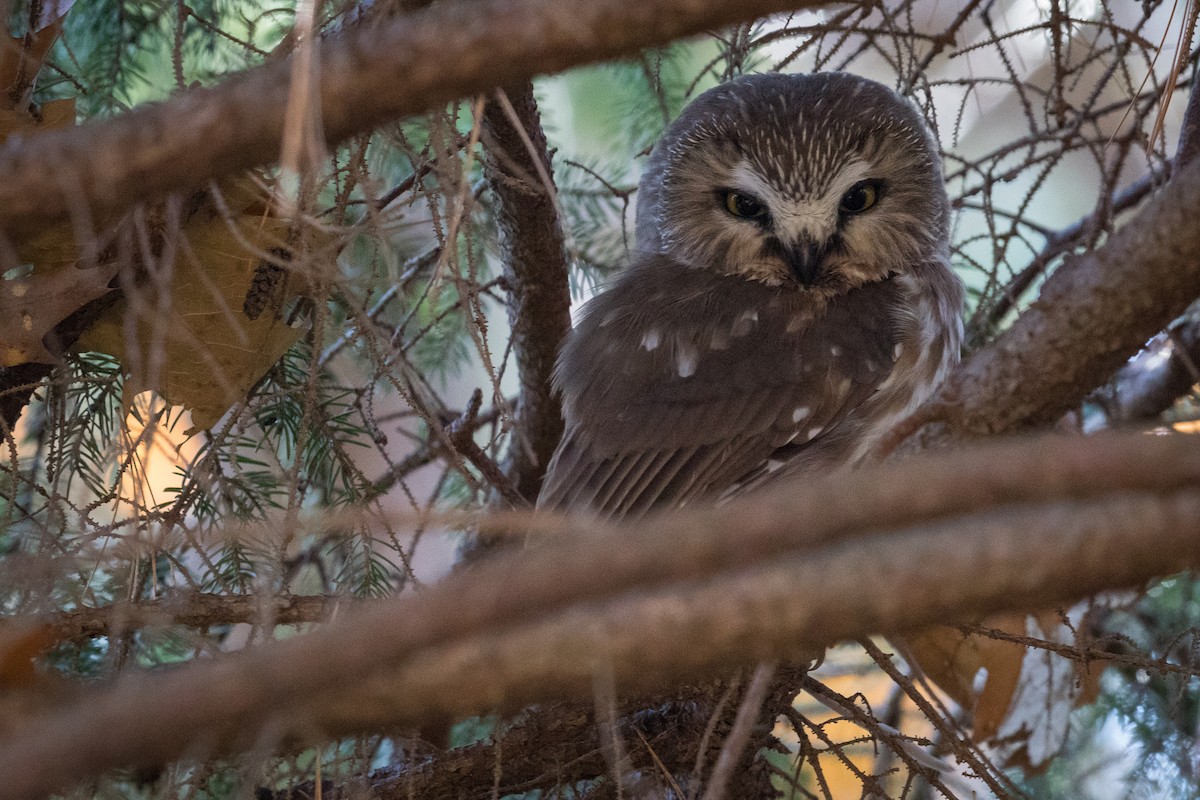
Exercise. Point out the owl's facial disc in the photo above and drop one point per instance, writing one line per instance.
(799, 230)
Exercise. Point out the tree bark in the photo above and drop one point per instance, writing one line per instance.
(534, 255)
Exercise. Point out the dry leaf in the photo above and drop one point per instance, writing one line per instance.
(1050, 686)
(19, 646)
(55, 114)
(978, 672)
(1021, 697)
(32, 306)
(210, 354)
(21, 59)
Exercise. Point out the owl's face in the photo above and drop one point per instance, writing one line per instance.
(823, 182)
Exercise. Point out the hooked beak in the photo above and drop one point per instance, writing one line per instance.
(806, 258)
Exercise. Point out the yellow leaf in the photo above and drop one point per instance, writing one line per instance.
(204, 352)
(55, 115)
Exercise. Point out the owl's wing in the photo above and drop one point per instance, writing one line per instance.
(678, 383)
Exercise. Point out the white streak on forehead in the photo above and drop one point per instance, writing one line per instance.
(847, 176)
(745, 178)
(791, 218)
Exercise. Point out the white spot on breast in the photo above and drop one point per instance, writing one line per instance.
(19, 290)
(720, 340)
(835, 351)
(650, 339)
(774, 465)
(800, 414)
(814, 432)
(898, 350)
(686, 360)
(797, 322)
(743, 323)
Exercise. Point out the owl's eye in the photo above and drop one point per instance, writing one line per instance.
(861, 196)
(743, 205)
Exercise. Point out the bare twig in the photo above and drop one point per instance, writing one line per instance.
(735, 742)
(461, 435)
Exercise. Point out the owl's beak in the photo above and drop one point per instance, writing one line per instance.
(806, 258)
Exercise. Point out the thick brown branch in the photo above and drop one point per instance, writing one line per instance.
(368, 76)
(1094, 312)
(670, 597)
(535, 266)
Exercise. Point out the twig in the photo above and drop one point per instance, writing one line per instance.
(461, 435)
(193, 609)
(735, 742)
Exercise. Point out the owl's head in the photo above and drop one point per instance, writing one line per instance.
(827, 181)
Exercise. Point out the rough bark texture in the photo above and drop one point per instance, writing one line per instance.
(535, 268)
(1189, 133)
(671, 597)
(368, 76)
(1093, 313)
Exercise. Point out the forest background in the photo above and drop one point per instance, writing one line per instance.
(277, 325)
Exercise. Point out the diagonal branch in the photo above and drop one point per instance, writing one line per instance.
(1150, 382)
(1094, 312)
(368, 76)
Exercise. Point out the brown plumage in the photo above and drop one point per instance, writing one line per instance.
(789, 301)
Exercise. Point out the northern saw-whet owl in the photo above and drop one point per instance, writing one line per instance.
(789, 301)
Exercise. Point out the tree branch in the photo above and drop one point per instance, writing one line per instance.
(670, 597)
(1150, 382)
(1094, 312)
(193, 609)
(368, 76)
(519, 171)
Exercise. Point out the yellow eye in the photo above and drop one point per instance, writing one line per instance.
(860, 197)
(743, 205)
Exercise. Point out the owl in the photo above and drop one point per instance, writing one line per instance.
(789, 300)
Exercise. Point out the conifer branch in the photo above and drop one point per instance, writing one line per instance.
(369, 76)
